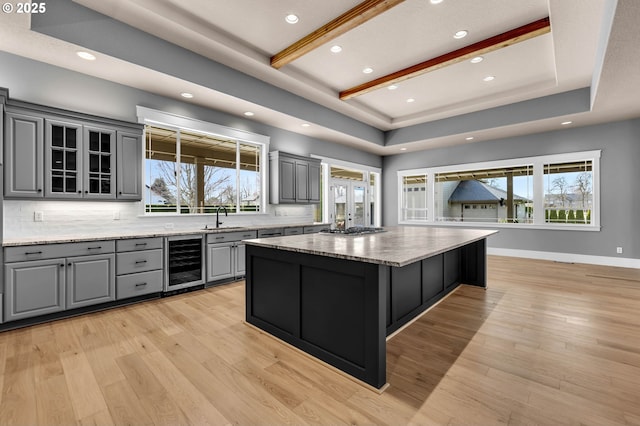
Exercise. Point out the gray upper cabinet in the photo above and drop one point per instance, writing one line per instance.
(294, 179)
(129, 165)
(60, 154)
(23, 145)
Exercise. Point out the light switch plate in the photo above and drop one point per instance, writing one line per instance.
(38, 216)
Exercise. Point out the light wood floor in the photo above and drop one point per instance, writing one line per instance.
(546, 343)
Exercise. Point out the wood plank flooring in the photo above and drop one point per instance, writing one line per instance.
(547, 343)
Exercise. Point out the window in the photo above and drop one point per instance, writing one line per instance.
(414, 197)
(194, 170)
(555, 191)
(568, 192)
(508, 189)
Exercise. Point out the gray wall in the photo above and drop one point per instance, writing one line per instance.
(619, 178)
(45, 84)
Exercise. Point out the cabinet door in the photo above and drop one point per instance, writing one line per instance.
(314, 182)
(23, 155)
(34, 288)
(90, 280)
(219, 261)
(99, 159)
(63, 159)
(241, 260)
(287, 180)
(129, 176)
(302, 182)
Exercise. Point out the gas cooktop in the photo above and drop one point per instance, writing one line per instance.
(354, 230)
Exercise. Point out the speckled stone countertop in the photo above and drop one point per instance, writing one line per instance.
(398, 246)
(122, 235)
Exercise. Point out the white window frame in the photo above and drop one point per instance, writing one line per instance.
(327, 162)
(538, 164)
(173, 121)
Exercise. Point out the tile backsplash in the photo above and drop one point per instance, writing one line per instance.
(26, 218)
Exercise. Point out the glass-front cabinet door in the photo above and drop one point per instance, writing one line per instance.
(99, 160)
(63, 167)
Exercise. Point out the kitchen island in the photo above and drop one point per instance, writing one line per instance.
(337, 297)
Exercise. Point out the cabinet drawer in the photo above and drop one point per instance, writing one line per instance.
(138, 284)
(224, 237)
(293, 231)
(138, 261)
(50, 251)
(314, 228)
(271, 232)
(138, 244)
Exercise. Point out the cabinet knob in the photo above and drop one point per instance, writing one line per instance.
(39, 190)
(62, 265)
(86, 192)
(69, 264)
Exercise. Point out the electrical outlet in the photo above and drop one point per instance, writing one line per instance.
(619, 250)
(38, 216)
(116, 215)
(168, 226)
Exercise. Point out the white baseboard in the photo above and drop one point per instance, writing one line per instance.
(623, 262)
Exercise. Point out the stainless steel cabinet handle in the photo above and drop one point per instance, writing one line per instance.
(94, 248)
(141, 244)
(219, 238)
(141, 284)
(32, 252)
(141, 261)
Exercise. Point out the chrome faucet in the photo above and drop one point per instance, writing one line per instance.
(218, 223)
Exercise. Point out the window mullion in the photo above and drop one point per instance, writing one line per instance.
(178, 173)
(538, 194)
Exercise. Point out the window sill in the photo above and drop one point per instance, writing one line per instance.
(588, 228)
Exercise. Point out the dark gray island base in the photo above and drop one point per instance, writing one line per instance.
(337, 297)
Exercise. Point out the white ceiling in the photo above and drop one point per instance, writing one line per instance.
(244, 34)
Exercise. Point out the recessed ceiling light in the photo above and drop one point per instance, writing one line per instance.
(470, 138)
(305, 124)
(488, 78)
(410, 100)
(564, 123)
(367, 70)
(291, 18)
(393, 87)
(336, 49)
(477, 59)
(403, 149)
(436, 1)
(86, 55)
(186, 95)
(249, 113)
(460, 34)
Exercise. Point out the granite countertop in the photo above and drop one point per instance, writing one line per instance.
(398, 246)
(121, 235)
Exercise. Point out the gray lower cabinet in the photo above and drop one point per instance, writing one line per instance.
(34, 288)
(226, 255)
(90, 280)
(139, 267)
(48, 278)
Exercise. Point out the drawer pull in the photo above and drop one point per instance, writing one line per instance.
(32, 252)
(141, 284)
(219, 238)
(246, 235)
(141, 261)
(94, 248)
(141, 244)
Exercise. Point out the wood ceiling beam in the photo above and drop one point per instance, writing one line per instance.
(349, 20)
(508, 38)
